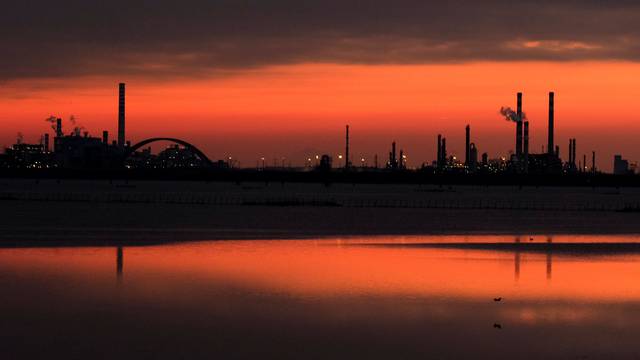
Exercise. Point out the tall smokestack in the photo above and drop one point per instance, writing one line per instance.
(46, 142)
(346, 151)
(526, 145)
(58, 127)
(121, 136)
(574, 152)
(570, 161)
(584, 163)
(550, 145)
(105, 137)
(444, 152)
(467, 145)
(439, 158)
(394, 159)
(593, 162)
(519, 127)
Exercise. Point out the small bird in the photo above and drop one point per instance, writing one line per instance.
(497, 299)
(497, 326)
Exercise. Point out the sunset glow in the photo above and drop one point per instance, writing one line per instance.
(300, 110)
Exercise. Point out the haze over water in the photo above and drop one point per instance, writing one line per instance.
(371, 297)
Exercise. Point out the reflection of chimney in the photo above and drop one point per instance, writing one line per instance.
(519, 127)
(467, 142)
(59, 127)
(551, 124)
(121, 113)
(105, 137)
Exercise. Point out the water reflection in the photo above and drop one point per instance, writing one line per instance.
(324, 298)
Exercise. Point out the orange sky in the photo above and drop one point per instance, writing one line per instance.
(300, 110)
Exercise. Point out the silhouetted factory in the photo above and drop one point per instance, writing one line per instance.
(76, 149)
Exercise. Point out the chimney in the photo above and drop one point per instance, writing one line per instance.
(346, 150)
(519, 127)
(574, 152)
(121, 119)
(46, 142)
(394, 160)
(551, 124)
(526, 146)
(439, 158)
(593, 162)
(570, 152)
(58, 127)
(105, 137)
(584, 163)
(443, 152)
(467, 143)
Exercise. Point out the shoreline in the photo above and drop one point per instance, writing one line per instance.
(100, 212)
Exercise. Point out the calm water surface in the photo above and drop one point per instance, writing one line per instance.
(379, 297)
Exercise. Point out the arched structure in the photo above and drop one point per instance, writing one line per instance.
(142, 143)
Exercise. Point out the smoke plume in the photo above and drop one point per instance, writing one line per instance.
(52, 120)
(510, 115)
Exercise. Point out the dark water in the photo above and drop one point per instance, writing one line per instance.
(334, 298)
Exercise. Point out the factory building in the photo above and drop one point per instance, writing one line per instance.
(620, 165)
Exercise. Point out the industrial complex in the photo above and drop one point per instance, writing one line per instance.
(76, 149)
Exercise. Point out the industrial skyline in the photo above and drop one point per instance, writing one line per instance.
(522, 160)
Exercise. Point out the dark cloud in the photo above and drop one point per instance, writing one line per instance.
(43, 38)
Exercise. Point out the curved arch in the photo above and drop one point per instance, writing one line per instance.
(142, 143)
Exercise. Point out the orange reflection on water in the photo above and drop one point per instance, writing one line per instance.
(351, 267)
